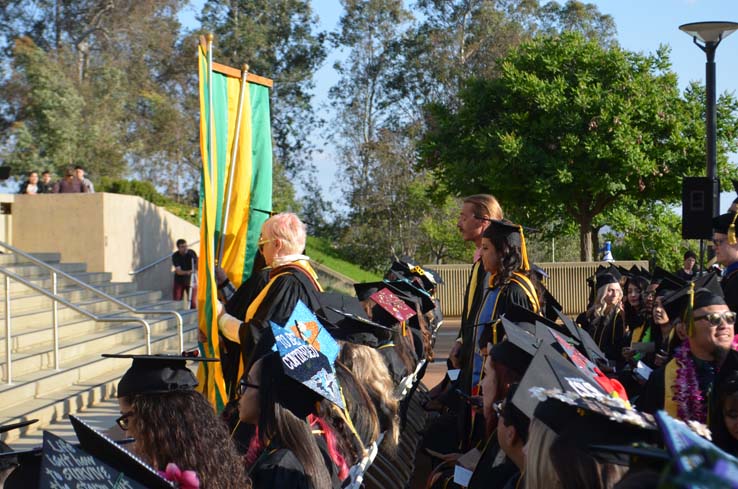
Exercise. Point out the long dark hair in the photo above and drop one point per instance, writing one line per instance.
(283, 428)
(631, 315)
(510, 256)
(181, 427)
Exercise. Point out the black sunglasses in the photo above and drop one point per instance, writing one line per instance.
(122, 421)
(716, 317)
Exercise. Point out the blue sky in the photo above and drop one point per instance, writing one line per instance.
(642, 25)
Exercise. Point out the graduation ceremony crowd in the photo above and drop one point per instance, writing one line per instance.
(639, 391)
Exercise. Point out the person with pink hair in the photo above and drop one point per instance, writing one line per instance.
(291, 278)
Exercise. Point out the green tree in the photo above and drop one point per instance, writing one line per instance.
(570, 130)
(279, 40)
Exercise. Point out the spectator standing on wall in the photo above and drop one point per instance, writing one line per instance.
(30, 186)
(185, 273)
(79, 172)
(45, 186)
(70, 183)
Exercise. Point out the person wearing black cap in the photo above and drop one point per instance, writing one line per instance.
(726, 254)
(605, 318)
(284, 452)
(684, 386)
(173, 423)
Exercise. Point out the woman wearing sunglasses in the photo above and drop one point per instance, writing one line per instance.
(291, 278)
(172, 423)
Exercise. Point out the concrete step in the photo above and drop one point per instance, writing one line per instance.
(10, 258)
(18, 289)
(82, 339)
(42, 315)
(96, 380)
(33, 271)
(35, 302)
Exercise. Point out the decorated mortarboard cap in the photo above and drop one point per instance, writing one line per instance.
(157, 374)
(394, 309)
(121, 460)
(550, 370)
(64, 462)
(589, 419)
(517, 349)
(307, 353)
(408, 291)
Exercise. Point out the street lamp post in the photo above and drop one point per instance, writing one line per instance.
(710, 33)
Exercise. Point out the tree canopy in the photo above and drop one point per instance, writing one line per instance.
(571, 129)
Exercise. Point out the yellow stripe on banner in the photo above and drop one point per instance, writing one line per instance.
(234, 254)
(210, 375)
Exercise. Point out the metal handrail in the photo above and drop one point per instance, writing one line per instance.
(107, 319)
(56, 272)
(156, 262)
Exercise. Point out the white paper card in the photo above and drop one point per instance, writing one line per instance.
(453, 374)
(462, 475)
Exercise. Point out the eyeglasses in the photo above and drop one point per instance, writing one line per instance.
(123, 420)
(243, 385)
(262, 242)
(715, 318)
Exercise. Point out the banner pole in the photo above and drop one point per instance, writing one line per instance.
(232, 170)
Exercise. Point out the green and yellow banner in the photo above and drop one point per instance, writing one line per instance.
(242, 138)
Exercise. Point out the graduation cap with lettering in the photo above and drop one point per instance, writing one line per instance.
(550, 370)
(107, 451)
(157, 374)
(307, 359)
(589, 419)
(403, 288)
(64, 465)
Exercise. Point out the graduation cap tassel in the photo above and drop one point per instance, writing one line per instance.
(524, 250)
(731, 230)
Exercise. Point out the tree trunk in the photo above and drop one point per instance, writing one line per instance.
(585, 239)
(596, 240)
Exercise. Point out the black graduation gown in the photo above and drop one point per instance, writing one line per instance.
(652, 395)
(277, 305)
(729, 284)
(609, 332)
(279, 468)
(486, 476)
(472, 304)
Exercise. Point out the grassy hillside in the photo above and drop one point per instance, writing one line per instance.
(319, 249)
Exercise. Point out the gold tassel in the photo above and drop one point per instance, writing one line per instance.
(494, 333)
(731, 230)
(523, 250)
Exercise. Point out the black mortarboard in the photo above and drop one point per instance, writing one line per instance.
(345, 319)
(589, 419)
(408, 269)
(64, 463)
(722, 223)
(518, 348)
(586, 345)
(405, 288)
(666, 279)
(707, 291)
(540, 272)
(527, 319)
(550, 305)
(364, 290)
(512, 233)
(635, 270)
(605, 279)
(550, 370)
(157, 374)
(120, 459)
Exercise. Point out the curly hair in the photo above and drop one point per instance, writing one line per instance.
(510, 257)
(180, 427)
(370, 371)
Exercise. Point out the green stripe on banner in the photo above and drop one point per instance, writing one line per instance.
(220, 111)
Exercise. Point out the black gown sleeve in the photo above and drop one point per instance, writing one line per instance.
(652, 398)
(279, 469)
(729, 285)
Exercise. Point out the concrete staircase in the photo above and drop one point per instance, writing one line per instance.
(84, 377)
